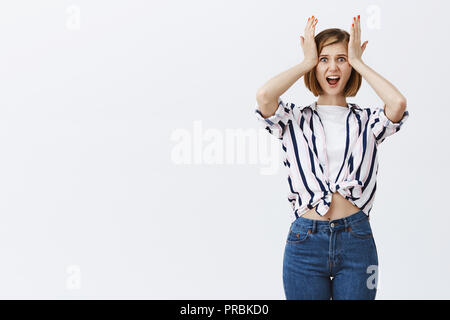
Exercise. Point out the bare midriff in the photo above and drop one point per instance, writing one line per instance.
(339, 208)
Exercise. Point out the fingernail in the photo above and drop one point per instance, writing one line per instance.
(358, 16)
(352, 24)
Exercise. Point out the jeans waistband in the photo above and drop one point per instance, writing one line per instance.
(335, 224)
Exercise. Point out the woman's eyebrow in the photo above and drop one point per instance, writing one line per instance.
(341, 54)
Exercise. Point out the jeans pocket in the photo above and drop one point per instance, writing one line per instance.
(361, 229)
(297, 234)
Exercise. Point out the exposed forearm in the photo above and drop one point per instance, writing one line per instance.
(279, 84)
(383, 88)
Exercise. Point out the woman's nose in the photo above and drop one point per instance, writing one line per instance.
(333, 66)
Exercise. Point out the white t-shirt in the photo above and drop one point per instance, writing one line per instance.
(334, 119)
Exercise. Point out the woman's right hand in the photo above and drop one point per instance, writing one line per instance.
(308, 43)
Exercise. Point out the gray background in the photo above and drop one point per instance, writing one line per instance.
(95, 202)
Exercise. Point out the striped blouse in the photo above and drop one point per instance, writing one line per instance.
(302, 138)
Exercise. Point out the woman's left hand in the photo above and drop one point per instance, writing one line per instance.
(355, 49)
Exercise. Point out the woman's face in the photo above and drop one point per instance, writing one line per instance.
(333, 62)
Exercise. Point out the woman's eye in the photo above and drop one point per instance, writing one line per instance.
(343, 59)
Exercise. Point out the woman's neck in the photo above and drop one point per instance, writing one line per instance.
(332, 101)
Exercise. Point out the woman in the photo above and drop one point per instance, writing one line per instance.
(330, 150)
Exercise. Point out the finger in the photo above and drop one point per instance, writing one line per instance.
(310, 21)
(358, 20)
(363, 47)
(313, 27)
(308, 25)
(355, 29)
(352, 31)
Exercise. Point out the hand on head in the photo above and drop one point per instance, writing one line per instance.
(355, 49)
(308, 43)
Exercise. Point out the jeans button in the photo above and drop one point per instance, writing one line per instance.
(332, 224)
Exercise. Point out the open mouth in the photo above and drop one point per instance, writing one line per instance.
(332, 81)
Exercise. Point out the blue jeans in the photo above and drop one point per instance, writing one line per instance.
(334, 259)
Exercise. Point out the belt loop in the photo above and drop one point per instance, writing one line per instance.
(345, 224)
(314, 226)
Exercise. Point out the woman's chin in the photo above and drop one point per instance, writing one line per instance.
(333, 91)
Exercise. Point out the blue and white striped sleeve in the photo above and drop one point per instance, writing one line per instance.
(278, 122)
(382, 127)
